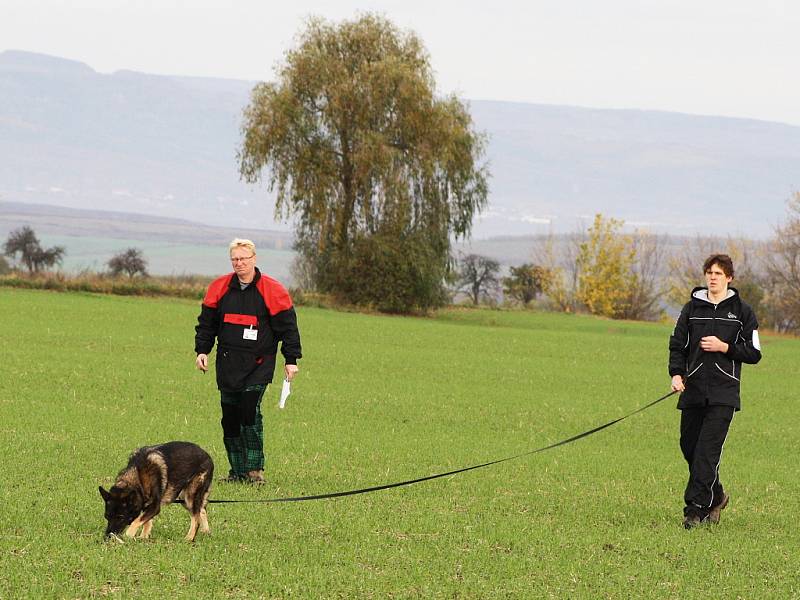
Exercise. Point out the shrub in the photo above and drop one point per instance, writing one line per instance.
(394, 274)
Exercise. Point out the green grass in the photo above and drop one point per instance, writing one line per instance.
(85, 379)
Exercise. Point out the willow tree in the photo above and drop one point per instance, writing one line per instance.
(372, 164)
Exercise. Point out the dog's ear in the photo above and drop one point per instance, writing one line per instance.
(104, 493)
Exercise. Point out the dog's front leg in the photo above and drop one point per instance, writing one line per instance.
(134, 527)
(148, 527)
(146, 519)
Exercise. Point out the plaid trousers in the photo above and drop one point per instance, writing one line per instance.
(243, 429)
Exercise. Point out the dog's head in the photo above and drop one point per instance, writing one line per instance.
(123, 505)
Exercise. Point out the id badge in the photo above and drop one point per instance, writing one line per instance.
(250, 334)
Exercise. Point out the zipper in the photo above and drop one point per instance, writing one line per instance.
(708, 379)
(714, 318)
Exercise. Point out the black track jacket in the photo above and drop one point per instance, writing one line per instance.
(713, 377)
(245, 359)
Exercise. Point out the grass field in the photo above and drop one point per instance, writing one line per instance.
(85, 379)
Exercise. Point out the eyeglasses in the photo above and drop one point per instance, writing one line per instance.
(235, 260)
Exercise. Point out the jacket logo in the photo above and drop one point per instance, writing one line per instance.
(731, 315)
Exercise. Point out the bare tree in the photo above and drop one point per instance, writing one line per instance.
(130, 261)
(685, 268)
(646, 287)
(559, 255)
(302, 270)
(478, 277)
(783, 271)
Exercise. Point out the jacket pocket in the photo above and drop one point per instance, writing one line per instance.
(233, 369)
(726, 368)
(693, 369)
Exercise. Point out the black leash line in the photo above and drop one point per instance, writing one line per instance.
(438, 475)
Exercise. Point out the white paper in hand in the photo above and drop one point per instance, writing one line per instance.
(285, 391)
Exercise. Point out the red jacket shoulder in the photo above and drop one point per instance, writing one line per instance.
(275, 295)
(218, 288)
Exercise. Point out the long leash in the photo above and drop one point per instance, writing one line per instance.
(387, 486)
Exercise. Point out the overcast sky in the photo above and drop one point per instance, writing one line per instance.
(718, 57)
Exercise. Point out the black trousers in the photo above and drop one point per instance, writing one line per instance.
(703, 433)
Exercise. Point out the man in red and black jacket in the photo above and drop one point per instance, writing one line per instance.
(247, 313)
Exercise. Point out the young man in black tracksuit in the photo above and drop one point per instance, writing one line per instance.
(247, 313)
(715, 333)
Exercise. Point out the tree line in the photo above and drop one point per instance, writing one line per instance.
(637, 276)
(600, 271)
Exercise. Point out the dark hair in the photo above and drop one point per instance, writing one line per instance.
(723, 261)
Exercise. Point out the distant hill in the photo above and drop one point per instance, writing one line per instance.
(166, 146)
(123, 225)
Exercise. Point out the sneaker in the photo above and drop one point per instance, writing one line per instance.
(256, 477)
(714, 513)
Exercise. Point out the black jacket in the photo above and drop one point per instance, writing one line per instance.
(713, 377)
(247, 324)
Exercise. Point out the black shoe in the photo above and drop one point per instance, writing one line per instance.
(714, 513)
(692, 520)
(233, 478)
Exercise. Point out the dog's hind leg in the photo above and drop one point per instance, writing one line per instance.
(189, 504)
(192, 528)
(204, 516)
(195, 498)
(204, 522)
(203, 505)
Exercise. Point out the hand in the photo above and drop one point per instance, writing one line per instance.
(202, 362)
(677, 383)
(712, 343)
(290, 371)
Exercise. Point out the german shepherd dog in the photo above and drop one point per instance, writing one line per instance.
(154, 477)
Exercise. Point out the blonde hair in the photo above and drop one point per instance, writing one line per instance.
(241, 243)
